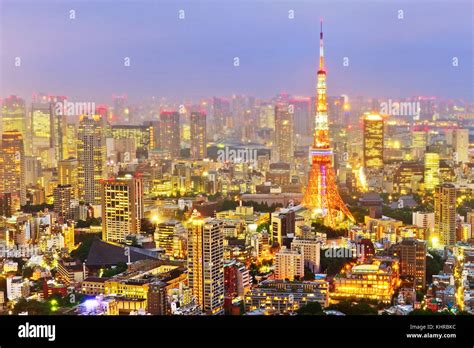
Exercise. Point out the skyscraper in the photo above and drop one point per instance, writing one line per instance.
(431, 173)
(122, 207)
(373, 142)
(67, 174)
(206, 263)
(170, 138)
(42, 130)
(63, 196)
(222, 114)
(301, 108)
(461, 145)
(336, 110)
(198, 135)
(12, 168)
(91, 154)
(13, 115)
(284, 133)
(445, 213)
(413, 261)
(322, 195)
(14, 118)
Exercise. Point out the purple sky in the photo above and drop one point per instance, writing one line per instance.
(192, 58)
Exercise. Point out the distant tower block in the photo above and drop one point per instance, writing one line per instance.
(321, 195)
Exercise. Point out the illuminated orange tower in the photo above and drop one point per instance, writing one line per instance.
(321, 195)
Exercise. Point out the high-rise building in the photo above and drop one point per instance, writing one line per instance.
(13, 118)
(42, 130)
(166, 234)
(198, 135)
(431, 172)
(63, 196)
(461, 145)
(289, 264)
(413, 261)
(445, 213)
(336, 110)
(67, 173)
(373, 141)
(282, 225)
(284, 133)
(91, 152)
(170, 138)
(12, 168)
(122, 207)
(222, 114)
(206, 263)
(311, 250)
(301, 108)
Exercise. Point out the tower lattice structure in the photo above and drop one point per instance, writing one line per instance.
(322, 195)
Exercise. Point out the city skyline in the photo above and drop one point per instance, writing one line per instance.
(387, 56)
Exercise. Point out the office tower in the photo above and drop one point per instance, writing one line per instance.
(419, 142)
(153, 134)
(165, 234)
(266, 116)
(122, 207)
(139, 134)
(206, 263)
(321, 195)
(311, 249)
(222, 115)
(14, 116)
(373, 142)
(461, 145)
(445, 213)
(63, 197)
(198, 135)
(91, 153)
(69, 141)
(336, 110)
(413, 261)
(120, 112)
(431, 172)
(170, 138)
(284, 133)
(68, 173)
(427, 108)
(289, 264)
(282, 225)
(12, 168)
(301, 109)
(32, 170)
(42, 130)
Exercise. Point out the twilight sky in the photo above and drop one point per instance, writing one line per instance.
(191, 58)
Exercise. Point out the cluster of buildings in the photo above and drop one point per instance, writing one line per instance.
(236, 205)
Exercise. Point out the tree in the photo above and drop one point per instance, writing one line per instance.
(308, 274)
(311, 308)
(351, 307)
(33, 307)
(119, 268)
(434, 264)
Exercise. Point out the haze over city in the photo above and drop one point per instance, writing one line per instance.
(193, 57)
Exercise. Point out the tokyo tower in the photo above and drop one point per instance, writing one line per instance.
(321, 195)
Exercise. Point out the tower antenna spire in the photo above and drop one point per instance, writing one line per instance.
(321, 48)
